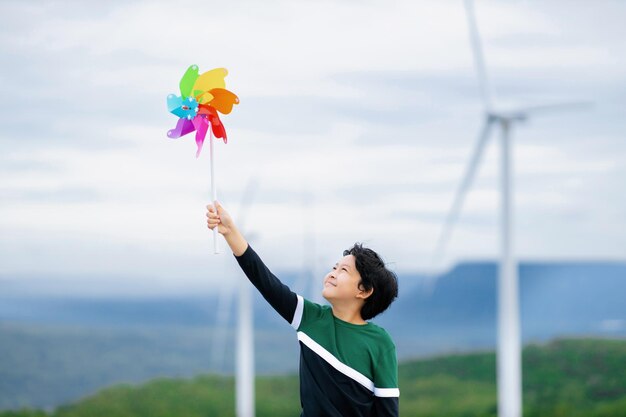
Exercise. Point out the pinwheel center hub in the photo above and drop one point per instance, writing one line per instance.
(188, 108)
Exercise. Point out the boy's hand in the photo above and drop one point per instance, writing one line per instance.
(219, 218)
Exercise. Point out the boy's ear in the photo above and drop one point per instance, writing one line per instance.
(363, 293)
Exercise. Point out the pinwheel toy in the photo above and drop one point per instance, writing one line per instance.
(202, 96)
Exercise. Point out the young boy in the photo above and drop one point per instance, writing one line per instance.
(348, 366)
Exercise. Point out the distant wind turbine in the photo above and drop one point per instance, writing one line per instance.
(509, 375)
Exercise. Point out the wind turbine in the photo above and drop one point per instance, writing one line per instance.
(244, 358)
(509, 374)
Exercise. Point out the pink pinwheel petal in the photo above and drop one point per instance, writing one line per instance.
(183, 127)
(202, 125)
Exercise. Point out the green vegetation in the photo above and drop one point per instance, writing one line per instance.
(572, 378)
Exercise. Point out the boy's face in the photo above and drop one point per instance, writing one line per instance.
(342, 282)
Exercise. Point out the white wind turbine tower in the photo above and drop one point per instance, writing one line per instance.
(509, 375)
(244, 358)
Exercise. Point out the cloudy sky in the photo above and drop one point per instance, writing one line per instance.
(356, 122)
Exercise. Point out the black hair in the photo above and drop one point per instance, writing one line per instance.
(374, 275)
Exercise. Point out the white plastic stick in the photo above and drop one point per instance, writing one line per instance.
(216, 248)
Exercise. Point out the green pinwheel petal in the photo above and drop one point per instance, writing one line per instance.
(188, 80)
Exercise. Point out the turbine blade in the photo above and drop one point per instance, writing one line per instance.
(555, 107)
(479, 59)
(457, 203)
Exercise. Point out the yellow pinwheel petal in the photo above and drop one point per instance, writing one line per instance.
(209, 80)
(204, 98)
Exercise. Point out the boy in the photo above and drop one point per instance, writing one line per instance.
(348, 366)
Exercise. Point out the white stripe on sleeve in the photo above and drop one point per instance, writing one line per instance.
(386, 392)
(297, 315)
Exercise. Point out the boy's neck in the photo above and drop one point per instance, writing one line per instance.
(348, 314)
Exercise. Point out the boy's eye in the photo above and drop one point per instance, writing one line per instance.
(345, 269)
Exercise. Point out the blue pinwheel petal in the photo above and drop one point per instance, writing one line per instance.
(174, 102)
(183, 108)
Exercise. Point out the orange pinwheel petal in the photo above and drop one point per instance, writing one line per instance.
(223, 100)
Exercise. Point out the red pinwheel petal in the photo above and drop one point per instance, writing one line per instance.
(204, 109)
(218, 130)
(183, 126)
(216, 124)
(202, 126)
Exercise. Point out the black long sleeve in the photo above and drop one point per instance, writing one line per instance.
(280, 297)
(386, 407)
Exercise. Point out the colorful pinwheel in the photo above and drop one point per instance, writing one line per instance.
(201, 98)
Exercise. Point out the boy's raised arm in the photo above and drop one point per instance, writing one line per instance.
(277, 294)
(218, 216)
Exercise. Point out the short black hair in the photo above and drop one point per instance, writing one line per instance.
(374, 275)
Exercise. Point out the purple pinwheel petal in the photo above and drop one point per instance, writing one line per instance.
(183, 127)
(202, 125)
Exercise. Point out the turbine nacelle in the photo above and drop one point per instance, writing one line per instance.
(506, 117)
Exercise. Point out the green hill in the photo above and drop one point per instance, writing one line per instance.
(573, 378)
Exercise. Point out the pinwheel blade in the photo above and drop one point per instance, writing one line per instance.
(174, 102)
(205, 98)
(205, 109)
(216, 125)
(223, 100)
(188, 81)
(202, 126)
(183, 127)
(210, 80)
(219, 131)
